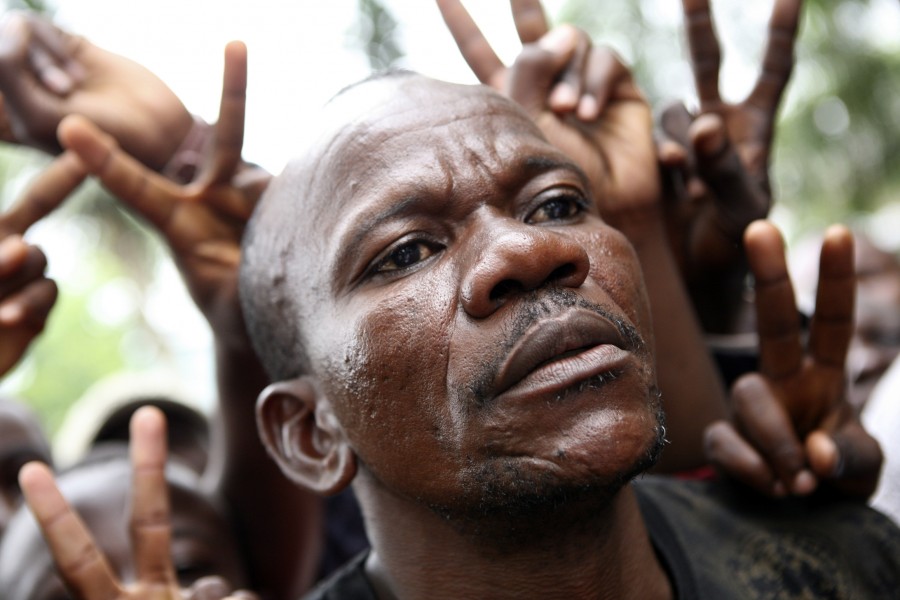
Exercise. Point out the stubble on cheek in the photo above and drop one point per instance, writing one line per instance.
(395, 386)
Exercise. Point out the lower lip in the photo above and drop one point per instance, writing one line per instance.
(559, 375)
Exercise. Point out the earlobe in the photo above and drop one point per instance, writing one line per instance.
(301, 433)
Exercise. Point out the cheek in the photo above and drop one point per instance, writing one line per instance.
(615, 267)
(396, 362)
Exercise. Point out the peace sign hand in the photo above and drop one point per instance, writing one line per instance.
(750, 123)
(793, 426)
(582, 97)
(203, 221)
(82, 565)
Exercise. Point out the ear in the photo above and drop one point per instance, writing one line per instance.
(300, 431)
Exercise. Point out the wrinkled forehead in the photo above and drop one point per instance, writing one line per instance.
(397, 132)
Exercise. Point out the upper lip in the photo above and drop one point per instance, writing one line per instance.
(570, 332)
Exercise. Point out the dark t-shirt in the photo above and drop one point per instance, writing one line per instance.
(718, 541)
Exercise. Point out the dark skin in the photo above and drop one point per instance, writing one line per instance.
(586, 103)
(432, 293)
(26, 295)
(46, 74)
(82, 566)
(793, 427)
(203, 223)
(716, 163)
(458, 259)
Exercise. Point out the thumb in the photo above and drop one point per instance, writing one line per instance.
(849, 459)
(539, 67)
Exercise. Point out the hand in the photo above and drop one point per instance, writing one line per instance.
(716, 163)
(202, 222)
(582, 98)
(26, 295)
(793, 426)
(81, 564)
(46, 74)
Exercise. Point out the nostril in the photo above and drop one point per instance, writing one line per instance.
(560, 273)
(505, 288)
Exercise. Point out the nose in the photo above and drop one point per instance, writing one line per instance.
(519, 258)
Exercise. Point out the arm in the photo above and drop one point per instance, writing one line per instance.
(586, 103)
(715, 163)
(81, 564)
(277, 522)
(793, 428)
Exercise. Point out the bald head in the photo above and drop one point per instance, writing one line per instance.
(358, 144)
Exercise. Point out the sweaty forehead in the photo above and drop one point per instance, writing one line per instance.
(403, 130)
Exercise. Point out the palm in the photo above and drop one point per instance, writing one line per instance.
(623, 180)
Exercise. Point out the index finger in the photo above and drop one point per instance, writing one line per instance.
(778, 60)
(778, 324)
(531, 22)
(229, 134)
(79, 562)
(472, 44)
(706, 56)
(151, 529)
(45, 194)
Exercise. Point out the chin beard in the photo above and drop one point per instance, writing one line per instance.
(509, 507)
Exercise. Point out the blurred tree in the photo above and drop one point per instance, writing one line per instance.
(375, 34)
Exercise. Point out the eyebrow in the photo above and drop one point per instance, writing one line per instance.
(534, 165)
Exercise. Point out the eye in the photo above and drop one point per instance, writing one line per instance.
(560, 207)
(405, 256)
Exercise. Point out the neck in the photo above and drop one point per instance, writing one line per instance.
(418, 554)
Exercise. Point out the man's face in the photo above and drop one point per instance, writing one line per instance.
(480, 332)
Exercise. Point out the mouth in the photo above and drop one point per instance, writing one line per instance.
(561, 352)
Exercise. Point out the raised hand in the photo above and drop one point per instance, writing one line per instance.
(80, 563)
(716, 163)
(26, 295)
(46, 74)
(750, 123)
(793, 426)
(203, 221)
(582, 97)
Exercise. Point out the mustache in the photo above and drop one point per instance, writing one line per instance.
(544, 303)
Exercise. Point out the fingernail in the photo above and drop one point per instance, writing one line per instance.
(588, 108)
(712, 144)
(804, 483)
(563, 97)
(58, 81)
(557, 40)
(10, 314)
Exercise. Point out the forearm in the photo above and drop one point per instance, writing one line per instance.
(278, 523)
(692, 391)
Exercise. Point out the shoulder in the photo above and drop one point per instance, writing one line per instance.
(730, 537)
